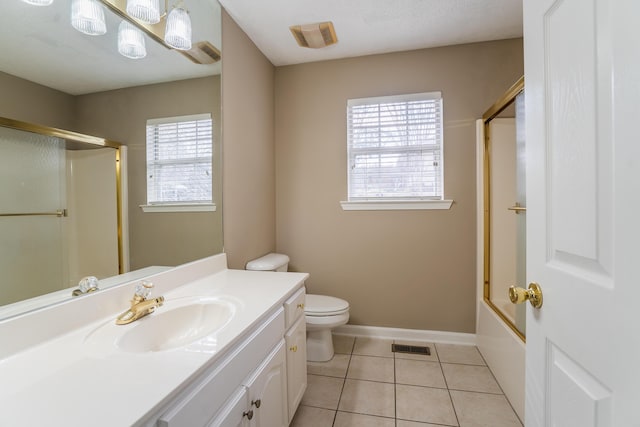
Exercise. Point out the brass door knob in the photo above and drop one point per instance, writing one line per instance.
(533, 295)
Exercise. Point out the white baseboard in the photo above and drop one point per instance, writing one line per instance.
(407, 334)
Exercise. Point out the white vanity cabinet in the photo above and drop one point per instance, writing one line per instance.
(234, 413)
(296, 344)
(208, 394)
(262, 400)
(259, 383)
(215, 379)
(275, 390)
(268, 391)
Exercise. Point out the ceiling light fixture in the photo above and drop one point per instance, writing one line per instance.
(314, 36)
(147, 11)
(178, 31)
(38, 2)
(131, 41)
(87, 16)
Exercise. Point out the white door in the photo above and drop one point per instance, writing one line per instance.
(582, 78)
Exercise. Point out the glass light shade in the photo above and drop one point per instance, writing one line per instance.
(131, 41)
(147, 11)
(39, 2)
(178, 31)
(87, 16)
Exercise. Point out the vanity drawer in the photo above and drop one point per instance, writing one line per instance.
(294, 307)
(202, 401)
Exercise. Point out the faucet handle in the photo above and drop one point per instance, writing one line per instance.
(143, 289)
(86, 285)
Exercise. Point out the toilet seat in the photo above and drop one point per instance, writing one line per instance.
(323, 305)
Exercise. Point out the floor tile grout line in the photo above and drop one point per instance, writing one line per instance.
(367, 415)
(395, 390)
(500, 387)
(344, 382)
(372, 355)
(448, 390)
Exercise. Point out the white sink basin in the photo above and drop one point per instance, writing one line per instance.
(178, 323)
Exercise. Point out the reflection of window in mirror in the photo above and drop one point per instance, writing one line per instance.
(179, 164)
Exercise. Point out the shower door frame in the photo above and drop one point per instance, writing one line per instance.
(73, 138)
(500, 105)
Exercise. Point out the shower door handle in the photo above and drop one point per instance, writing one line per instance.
(533, 295)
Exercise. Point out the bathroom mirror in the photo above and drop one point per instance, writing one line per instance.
(55, 76)
(505, 206)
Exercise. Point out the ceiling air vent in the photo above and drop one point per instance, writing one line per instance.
(314, 36)
(203, 53)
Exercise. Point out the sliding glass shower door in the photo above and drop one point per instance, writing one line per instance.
(32, 207)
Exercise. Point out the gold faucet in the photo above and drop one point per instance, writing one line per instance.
(140, 305)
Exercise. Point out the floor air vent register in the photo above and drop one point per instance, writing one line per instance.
(411, 349)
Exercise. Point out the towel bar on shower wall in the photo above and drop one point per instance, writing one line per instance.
(59, 212)
(517, 208)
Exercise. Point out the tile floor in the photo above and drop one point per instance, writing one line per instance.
(366, 384)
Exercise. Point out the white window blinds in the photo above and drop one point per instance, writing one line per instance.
(395, 147)
(179, 154)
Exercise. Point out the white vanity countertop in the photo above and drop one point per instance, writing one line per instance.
(65, 382)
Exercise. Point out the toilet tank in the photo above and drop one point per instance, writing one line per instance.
(269, 262)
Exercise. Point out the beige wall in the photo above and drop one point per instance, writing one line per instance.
(30, 102)
(121, 115)
(403, 269)
(249, 163)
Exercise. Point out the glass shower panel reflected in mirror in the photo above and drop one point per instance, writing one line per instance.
(505, 206)
(32, 191)
(58, 214)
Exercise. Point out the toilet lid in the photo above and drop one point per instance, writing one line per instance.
(323, 305)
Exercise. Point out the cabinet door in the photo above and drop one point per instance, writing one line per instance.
(234, 413)
(294, 307)
(268, 391)
(296, 343)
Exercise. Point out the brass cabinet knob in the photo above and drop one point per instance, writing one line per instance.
(301, 306)
(533, 295)
(248, 414)
(293, 348)
(256, 403)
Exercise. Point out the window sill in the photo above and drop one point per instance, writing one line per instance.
(396, 205)
(193, 207)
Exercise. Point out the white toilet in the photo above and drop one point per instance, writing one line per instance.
(322, 313)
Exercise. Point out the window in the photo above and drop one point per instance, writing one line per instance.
(394, 146)
(179, 163)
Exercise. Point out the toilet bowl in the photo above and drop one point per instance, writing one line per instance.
(322, 313)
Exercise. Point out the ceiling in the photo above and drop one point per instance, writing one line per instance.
(38, 43)
(367, 27)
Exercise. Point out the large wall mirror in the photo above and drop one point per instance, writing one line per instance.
(52, 75)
